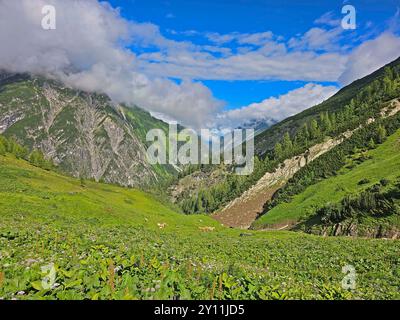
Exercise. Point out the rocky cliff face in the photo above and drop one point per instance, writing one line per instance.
(85, 134)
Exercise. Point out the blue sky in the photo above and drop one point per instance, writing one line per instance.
(284, 17)
(176, 19)
(206, 64)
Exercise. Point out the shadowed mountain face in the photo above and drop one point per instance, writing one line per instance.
(86, 135)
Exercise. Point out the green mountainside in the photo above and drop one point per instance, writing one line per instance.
(108, 242)
(297, 142)
(85, 135)
(267, 139)
(369, 175)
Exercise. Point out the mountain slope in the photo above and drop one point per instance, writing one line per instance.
(244, 210)
(108, 242)
(376, 165)
(85, 134)
(267, 139)
(290, 143)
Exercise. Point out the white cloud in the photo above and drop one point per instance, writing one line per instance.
(276, 109)
(257, 56)
(318, 39)
(328, 19)
(257, 39)
(270, 62)
(323, 53)
(370, 56)
(221, 38)
(87, 51)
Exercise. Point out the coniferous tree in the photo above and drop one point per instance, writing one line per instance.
(199, 204)
(315, 132)
(326, 122)
(37, 158)
(278, 152)
(19, 151)
(381, 134)
(371, 144)
(303, 136)
(333, 121)
(287, 145)
(2, 148)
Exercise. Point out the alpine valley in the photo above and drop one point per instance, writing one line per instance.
(77, 194)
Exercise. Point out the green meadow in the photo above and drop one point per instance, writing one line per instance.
(106, 242)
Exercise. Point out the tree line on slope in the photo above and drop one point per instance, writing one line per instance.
(365, 105)
(35, 157)
(374, 202)
(328, 164)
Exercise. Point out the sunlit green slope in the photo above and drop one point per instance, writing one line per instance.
(382, 163)
(109, 242)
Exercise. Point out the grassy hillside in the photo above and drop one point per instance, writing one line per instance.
(109, 242)
(382, 163)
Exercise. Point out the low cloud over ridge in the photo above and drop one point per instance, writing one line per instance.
(276, 109)
(89, 51)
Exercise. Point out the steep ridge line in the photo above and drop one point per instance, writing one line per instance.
(243, 211)
(85, 134)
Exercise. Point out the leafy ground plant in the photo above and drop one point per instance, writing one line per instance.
(61, 239)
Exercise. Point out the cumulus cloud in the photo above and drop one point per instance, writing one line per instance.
(258, 56)
(318, 39)
(270, 62)
(257, 39)
(315, 55)
(370, 56)
(322, 53)
(276, 109)
(87, 51)
(328, 19)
